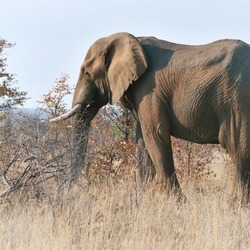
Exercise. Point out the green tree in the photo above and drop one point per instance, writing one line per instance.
(10, 96)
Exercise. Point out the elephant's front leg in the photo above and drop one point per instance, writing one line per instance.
(145, 167)
(156, 134)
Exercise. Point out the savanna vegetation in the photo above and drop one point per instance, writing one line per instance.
(105, 209)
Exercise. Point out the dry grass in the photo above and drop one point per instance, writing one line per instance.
(111, 213)
(109, 216)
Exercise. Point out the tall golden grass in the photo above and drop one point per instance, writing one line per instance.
(110, 211)
(117, 216)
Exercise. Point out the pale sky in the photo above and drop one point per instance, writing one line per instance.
(53, 36)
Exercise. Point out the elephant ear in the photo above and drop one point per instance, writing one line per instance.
(125, 62)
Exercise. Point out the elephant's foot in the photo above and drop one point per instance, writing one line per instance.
(172, 187)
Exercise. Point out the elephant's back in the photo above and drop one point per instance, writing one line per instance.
(219, 44)
(220, 52)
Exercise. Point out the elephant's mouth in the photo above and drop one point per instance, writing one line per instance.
(88, 108)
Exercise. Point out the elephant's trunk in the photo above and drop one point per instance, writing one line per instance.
(81, 127)
(80, 143)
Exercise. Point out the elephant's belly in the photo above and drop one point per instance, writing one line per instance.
(198, 132)
(196, 138)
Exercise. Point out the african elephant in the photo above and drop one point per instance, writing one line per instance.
(197, 93)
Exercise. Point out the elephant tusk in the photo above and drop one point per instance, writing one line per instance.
(67, 115)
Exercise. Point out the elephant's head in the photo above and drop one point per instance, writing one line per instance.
(110, 66)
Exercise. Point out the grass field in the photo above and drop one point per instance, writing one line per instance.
(109, 212)
(116, 216)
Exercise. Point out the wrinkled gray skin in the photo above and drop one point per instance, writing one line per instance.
(197, 93)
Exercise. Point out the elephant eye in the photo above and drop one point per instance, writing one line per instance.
(87, 74)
